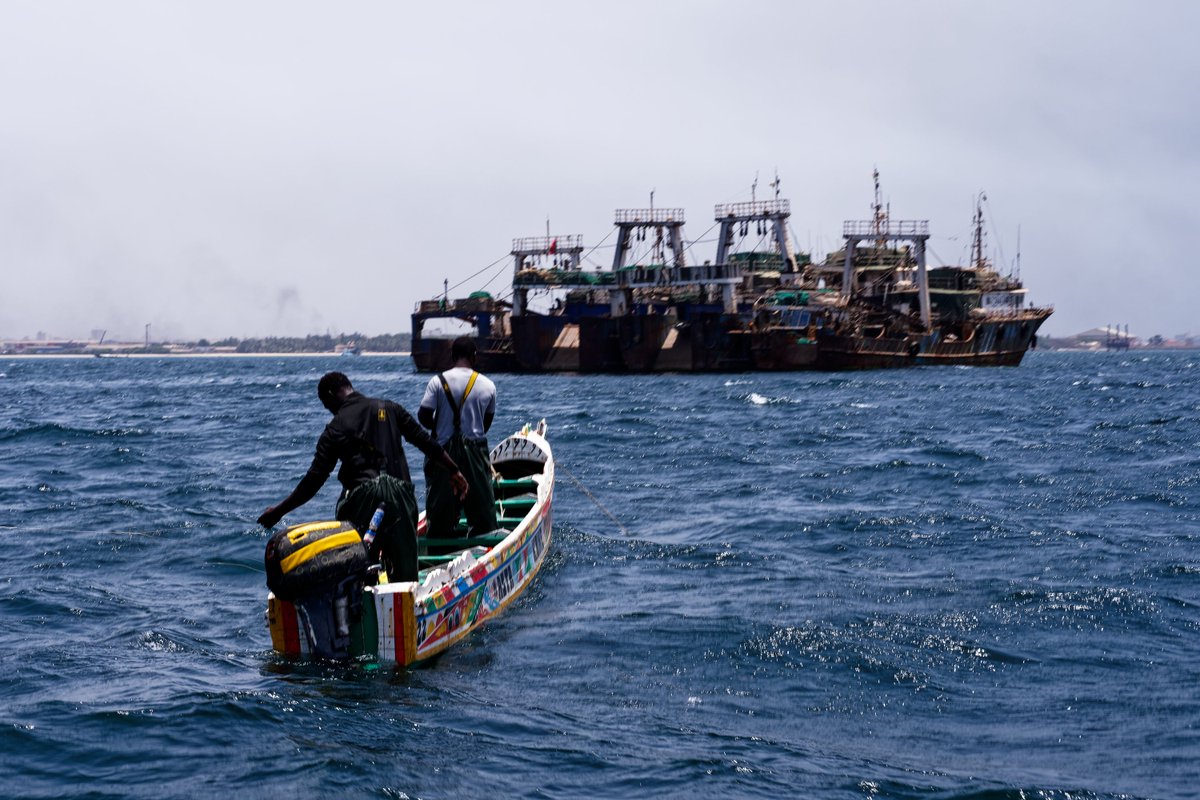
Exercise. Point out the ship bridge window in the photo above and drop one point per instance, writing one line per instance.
(794, 318)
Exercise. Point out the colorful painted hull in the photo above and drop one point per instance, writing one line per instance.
(407, 623)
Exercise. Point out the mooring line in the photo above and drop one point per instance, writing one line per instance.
(579, 485)
(248, 567)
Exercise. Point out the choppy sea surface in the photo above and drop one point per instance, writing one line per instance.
(926, 583)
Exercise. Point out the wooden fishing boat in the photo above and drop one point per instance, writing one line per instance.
(463, 582)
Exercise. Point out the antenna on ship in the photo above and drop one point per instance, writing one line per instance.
(1017, 268)
(977, 256)
(879, 216)
(876, 207)
(775, 183)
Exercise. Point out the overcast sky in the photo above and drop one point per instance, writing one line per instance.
(254, 168)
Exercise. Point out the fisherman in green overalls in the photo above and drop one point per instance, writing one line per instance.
(458, 408)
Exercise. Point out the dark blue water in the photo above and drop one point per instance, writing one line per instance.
(933, 583)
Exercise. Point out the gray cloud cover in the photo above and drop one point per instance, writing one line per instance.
(248, 169)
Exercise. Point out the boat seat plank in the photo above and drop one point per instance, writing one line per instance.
(516, 504)
(487, 540)
(507, 522)
(508, 486)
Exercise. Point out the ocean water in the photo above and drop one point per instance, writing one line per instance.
(931, 583)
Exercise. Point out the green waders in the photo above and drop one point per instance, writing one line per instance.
(397, 537)
(442, 508)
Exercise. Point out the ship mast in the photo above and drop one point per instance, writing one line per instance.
(977, 257)
(1018, 265)
(883, 229)
(879, 216)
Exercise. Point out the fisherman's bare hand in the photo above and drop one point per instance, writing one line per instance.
(270, 518)
(459, 484)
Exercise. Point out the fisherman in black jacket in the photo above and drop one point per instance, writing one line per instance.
(366, 435)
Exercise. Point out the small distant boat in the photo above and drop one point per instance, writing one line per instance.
(463, 581)
(348, 349)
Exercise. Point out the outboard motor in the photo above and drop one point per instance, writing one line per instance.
(321, 567)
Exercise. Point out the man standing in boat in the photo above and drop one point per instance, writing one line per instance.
(367, 436)
(458, 407)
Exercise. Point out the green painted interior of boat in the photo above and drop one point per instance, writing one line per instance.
(519, 505)
(508, 486)
(487, 540)
(514, 498)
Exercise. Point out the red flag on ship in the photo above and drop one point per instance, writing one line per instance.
(553, 246)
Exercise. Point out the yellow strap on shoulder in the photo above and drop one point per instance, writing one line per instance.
(470, 383)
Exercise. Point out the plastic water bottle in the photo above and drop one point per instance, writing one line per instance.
(373, 528)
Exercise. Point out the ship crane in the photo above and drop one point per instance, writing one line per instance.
(766, 214)
(633, 223)
(914, 231)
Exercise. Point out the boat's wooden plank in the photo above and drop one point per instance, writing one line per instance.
(505, 488)
(527, 484)
(464, 542)
(521, 504)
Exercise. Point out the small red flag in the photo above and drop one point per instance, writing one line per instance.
(553, 246)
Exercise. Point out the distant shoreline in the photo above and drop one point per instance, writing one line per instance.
(203, 355)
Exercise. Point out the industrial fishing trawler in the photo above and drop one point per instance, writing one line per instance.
(892, 310)
(758, 305)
